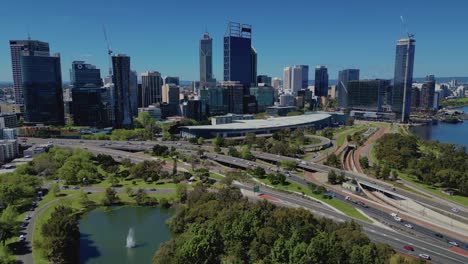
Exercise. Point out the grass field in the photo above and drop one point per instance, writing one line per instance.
(339, 205)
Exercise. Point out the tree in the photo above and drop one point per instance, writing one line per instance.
(55, 189)
(174, 166)
(250, 138)
(246, 154)
(200, 141)
(233, 152)
(8, 224)
(141, 197)
(126, 162)
(84, 199)
(328, 133)
(289, 164)
(61, 236)
(147, 170)
(332, 160)
(332, 177)
(193, 140)
(258, 172)
(218, 141)
(349, 121)
(113, 180)
(364, 162)
(110, 197)
(181, 193)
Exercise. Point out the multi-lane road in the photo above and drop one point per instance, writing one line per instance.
(420, 238)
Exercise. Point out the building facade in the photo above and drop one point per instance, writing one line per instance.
(238, 53)
(206, 61)
(151, 88)
(264, 96)
(215, 99)
(344, 77)
(403, 78)
(321, 81)
(367, 94)
(427, 93)
(121, 96)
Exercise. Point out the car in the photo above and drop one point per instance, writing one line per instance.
(64, 187)
(439, 235)
(407, 247)
(455, 210)
(453, 243)
(398, 219)
(27, 217)
(76, 187)
(303, 162)
(24, 224)
(153, 189)
(347, 198)
(178, 144)
(425, 256)
(394, 214)
(409, 226)
(21, 238)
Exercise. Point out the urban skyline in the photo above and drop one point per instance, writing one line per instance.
(175, 54)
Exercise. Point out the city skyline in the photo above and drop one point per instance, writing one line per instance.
(174, 51)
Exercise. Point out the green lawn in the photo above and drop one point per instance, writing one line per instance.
(216, 176)
(341, 206)
(340, 140)
(434, 190)
(139, 183)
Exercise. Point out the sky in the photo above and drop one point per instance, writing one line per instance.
(164, 35)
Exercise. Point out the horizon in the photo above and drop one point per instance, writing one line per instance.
(281, 40)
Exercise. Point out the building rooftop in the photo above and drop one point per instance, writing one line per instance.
(265, 123)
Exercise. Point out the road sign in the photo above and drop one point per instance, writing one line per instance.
(256, 188)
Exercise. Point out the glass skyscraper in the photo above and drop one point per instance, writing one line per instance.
(18, 48)
(367, 94)
(344, 77)
(403, 78)
(206, 60)
(121, 79)
(238, 54)
(42, 89)
(321, 81)
(151, 88)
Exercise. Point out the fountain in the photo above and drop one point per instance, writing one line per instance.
(130, 239)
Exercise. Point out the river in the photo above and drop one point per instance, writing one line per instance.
(104, 232)
(445, 132)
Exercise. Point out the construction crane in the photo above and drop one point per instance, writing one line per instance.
(109, 50)
(410, 36)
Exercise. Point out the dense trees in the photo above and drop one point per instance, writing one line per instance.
(223, 227)
(433, 163)
(18, 188)
(78, 168)
(147, 170)
(333, 160)
(61, 236)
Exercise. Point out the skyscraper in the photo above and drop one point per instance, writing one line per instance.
(171, 80)
(344, 77)
(134, 93)
(238, 54)
(296, 79)
(287, 79)
(206, 60)
(88, 108)
(18, 48)
(121, 80)
(151, 88)
(403, 78)
(305, 76)
(42, 89)
(264, 79)
(427, 93)
(253, 71)
(321, 81)
(367, 94)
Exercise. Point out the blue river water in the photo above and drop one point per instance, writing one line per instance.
(444, 132)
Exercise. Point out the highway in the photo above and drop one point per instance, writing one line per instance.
(420, 238)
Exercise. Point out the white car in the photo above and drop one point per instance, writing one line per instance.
(425, 256)
(398, 219)
(27, 217)
(394, 214)
(455, 210)
(409, 226)
(21, 238)
(453, 243)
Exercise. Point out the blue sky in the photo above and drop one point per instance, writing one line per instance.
(163, 35)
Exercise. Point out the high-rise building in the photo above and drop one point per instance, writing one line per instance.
(415, 97)
(276, 82)
(305, 76)
(18, 48)
(427, 93)
(367, 94)
(296, 79)
(121, 79)
(196, 109)
(87, 106)
(171, 80)
(264, 79)
(403, 79)
(171, 94)
(253, 70)
(321, 81)
(264, 95)
(238, 54)
(287, 72)
(216, 101)
(134, 93)
(234, 96)
(206, 60)
(151, 88)
(42, 89)
(344, 77)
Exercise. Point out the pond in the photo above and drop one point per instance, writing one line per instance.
(106, 232)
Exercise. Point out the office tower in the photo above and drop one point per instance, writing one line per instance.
(427, 93)
(264, 96)
(139, 96)
(265, 79)
(367, 94)
(8, 120)
(344, 77)
(151, 88)
(108, 100)
(287, 72)
(403, 79)
(215, 99)
(305, 76)
(42, 89)
(238, 54)
(87, 107)
(17, 49)
(253, 71)
(276, 82)
(415, 97)
(121, 79)
(234, 96)
(134, 93)
(286, 100)
(206, 60)
(171, 80)
(296, 79)
(196, 109)
(171, 94)
(321, 81)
